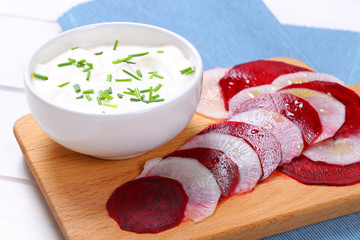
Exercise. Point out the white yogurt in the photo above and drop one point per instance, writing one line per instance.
(166, 60)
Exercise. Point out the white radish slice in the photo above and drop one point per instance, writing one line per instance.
(198, 182)
(149, 164)
(284, 130)
(211, 102)
(249, 93)
(238, 151)
(331, 111)
(303, 77)
(342, 151)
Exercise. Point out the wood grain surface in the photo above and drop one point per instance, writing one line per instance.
(77, 186)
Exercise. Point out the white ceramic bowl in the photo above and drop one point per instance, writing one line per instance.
(122, 135)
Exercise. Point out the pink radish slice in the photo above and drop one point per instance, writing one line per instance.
(225, 171)
(347, 97)
(198, 182)
(304, 77)
(285, 131)
(211, 103)
(249, 93)
(342, 151)
(331, 111)
(296, 109)
(307, 171)
(148, 205)
(264, 143)
(239, 151)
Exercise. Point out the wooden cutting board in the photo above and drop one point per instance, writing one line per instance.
(77, 186)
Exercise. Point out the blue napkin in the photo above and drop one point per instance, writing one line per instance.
(229, 32)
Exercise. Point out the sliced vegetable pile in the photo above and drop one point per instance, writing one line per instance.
(280, 116)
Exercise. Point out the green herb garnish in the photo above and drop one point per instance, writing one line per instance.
(138, 72)
(40, 76)
(110, 104)
(187, 70)
(88, 76)
(80, 97)
(139, 54)
(130, 74)
(63, 84)
(74, 48)
(109, 77)
(89, 68)
(65, 64)
(98, 53)
(115, 45)
(155, 74)
(160, 51)
(158, 87)
(120, 95)
(77, 88)
(123, 80)
(99, 100)
(88, 97)
(90, 91)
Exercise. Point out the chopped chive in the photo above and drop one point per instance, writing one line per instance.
(138, 72)
(98, 53)
(99, 100)
(160, 51)
(77, 88)
(135, 99)
(110, 105)
(185, 70)
(156, 100)
(122, 60)
(123, 80)
(132, 75)
(137, 92)
(191, 71)
(64, 64)
(129, 93)
(157, 87)
(88, 75)
(88, 91)
(81, 61)
(109, 77)
(139, 54)
(115, 45)
(79, 97)
(156, 96)
(120, 95)
(63, 84)
(80, 65)
(130, 90)
(145, 90)
(109, 90)
(74, 48)
(88, 97)
(40, 76)
(155, 74)
(128, 62)
(107, 96)
(72, 60)
(87, 69)
(151, 93)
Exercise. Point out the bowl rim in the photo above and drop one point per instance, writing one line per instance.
(197, 77)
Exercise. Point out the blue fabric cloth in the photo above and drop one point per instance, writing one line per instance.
(229, 32)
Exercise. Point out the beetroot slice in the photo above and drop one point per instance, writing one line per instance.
(252, 74)
(296, 109)
(262, 141)
(307, 171)
(148, 205)
(346, 96)
(225, 171)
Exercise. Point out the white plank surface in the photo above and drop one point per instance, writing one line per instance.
(25, 25)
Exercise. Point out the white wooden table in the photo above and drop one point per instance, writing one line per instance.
(25, 25)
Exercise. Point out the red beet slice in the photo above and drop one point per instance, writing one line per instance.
(148, 205)
(264, 143)
(225, 171)
(331, 111)
(285, 131)
(347, 97)
(307, 171)
(198, 182)
(239, 151)
(296, 109)
(252, 74)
